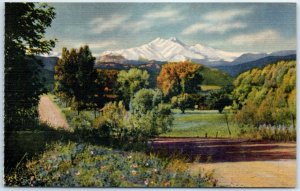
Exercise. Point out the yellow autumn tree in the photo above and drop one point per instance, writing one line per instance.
(267, 95)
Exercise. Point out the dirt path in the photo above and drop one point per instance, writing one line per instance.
(237, 162)
(279, 173)
(50, 113)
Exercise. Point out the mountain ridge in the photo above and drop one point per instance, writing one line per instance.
(235, 70)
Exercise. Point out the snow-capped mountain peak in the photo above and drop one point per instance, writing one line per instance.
(173, 49)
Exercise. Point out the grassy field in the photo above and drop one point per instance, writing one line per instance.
(198, 123)
(194, 123)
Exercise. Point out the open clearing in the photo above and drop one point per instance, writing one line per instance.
(236, 162)
(198, 123)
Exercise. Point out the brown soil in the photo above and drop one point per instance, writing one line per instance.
(279, 173)
(51, 114)
(236, 162)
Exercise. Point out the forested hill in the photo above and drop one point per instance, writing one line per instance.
(235, 70)
(267, 95)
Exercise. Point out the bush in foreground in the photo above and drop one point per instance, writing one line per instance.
(148, 117)
(77, 165)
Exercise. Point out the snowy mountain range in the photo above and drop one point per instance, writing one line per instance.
(173, 49)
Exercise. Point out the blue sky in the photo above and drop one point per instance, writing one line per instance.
(238, 27)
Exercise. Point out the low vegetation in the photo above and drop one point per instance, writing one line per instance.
(77, 165)
(270, 133)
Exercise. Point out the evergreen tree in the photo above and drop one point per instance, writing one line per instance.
(76, 78)
(85, 76)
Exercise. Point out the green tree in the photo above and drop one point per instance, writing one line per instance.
(25, 25)
(145, 100)
(182, 101)
(218, 99)
(130, 82)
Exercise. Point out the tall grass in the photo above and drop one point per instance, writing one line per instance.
(271, 133)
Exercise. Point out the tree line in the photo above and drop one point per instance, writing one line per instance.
(84, 87)
(266, 96)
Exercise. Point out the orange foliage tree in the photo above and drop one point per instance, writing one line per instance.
(179, 77)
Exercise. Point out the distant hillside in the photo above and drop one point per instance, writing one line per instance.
(213, 76)
(48, 62)
(47, 70)
(49, 78)
(235, 70)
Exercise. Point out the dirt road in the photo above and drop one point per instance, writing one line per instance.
(237, 162)
(50, 113)
(278, 173)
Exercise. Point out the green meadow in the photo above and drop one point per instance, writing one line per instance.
(196, 123)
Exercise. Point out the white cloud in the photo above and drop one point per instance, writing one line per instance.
(217, 16)
(263, 41)
(100, 24)
(213, 27)
(218, 22)
(167, 14)
(137, 26)
(266, 36)
(144, 22)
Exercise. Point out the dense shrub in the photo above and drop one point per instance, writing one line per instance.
(78, 165)
(149, 114)
(147, 117)
(182, 102)
(113, 121)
